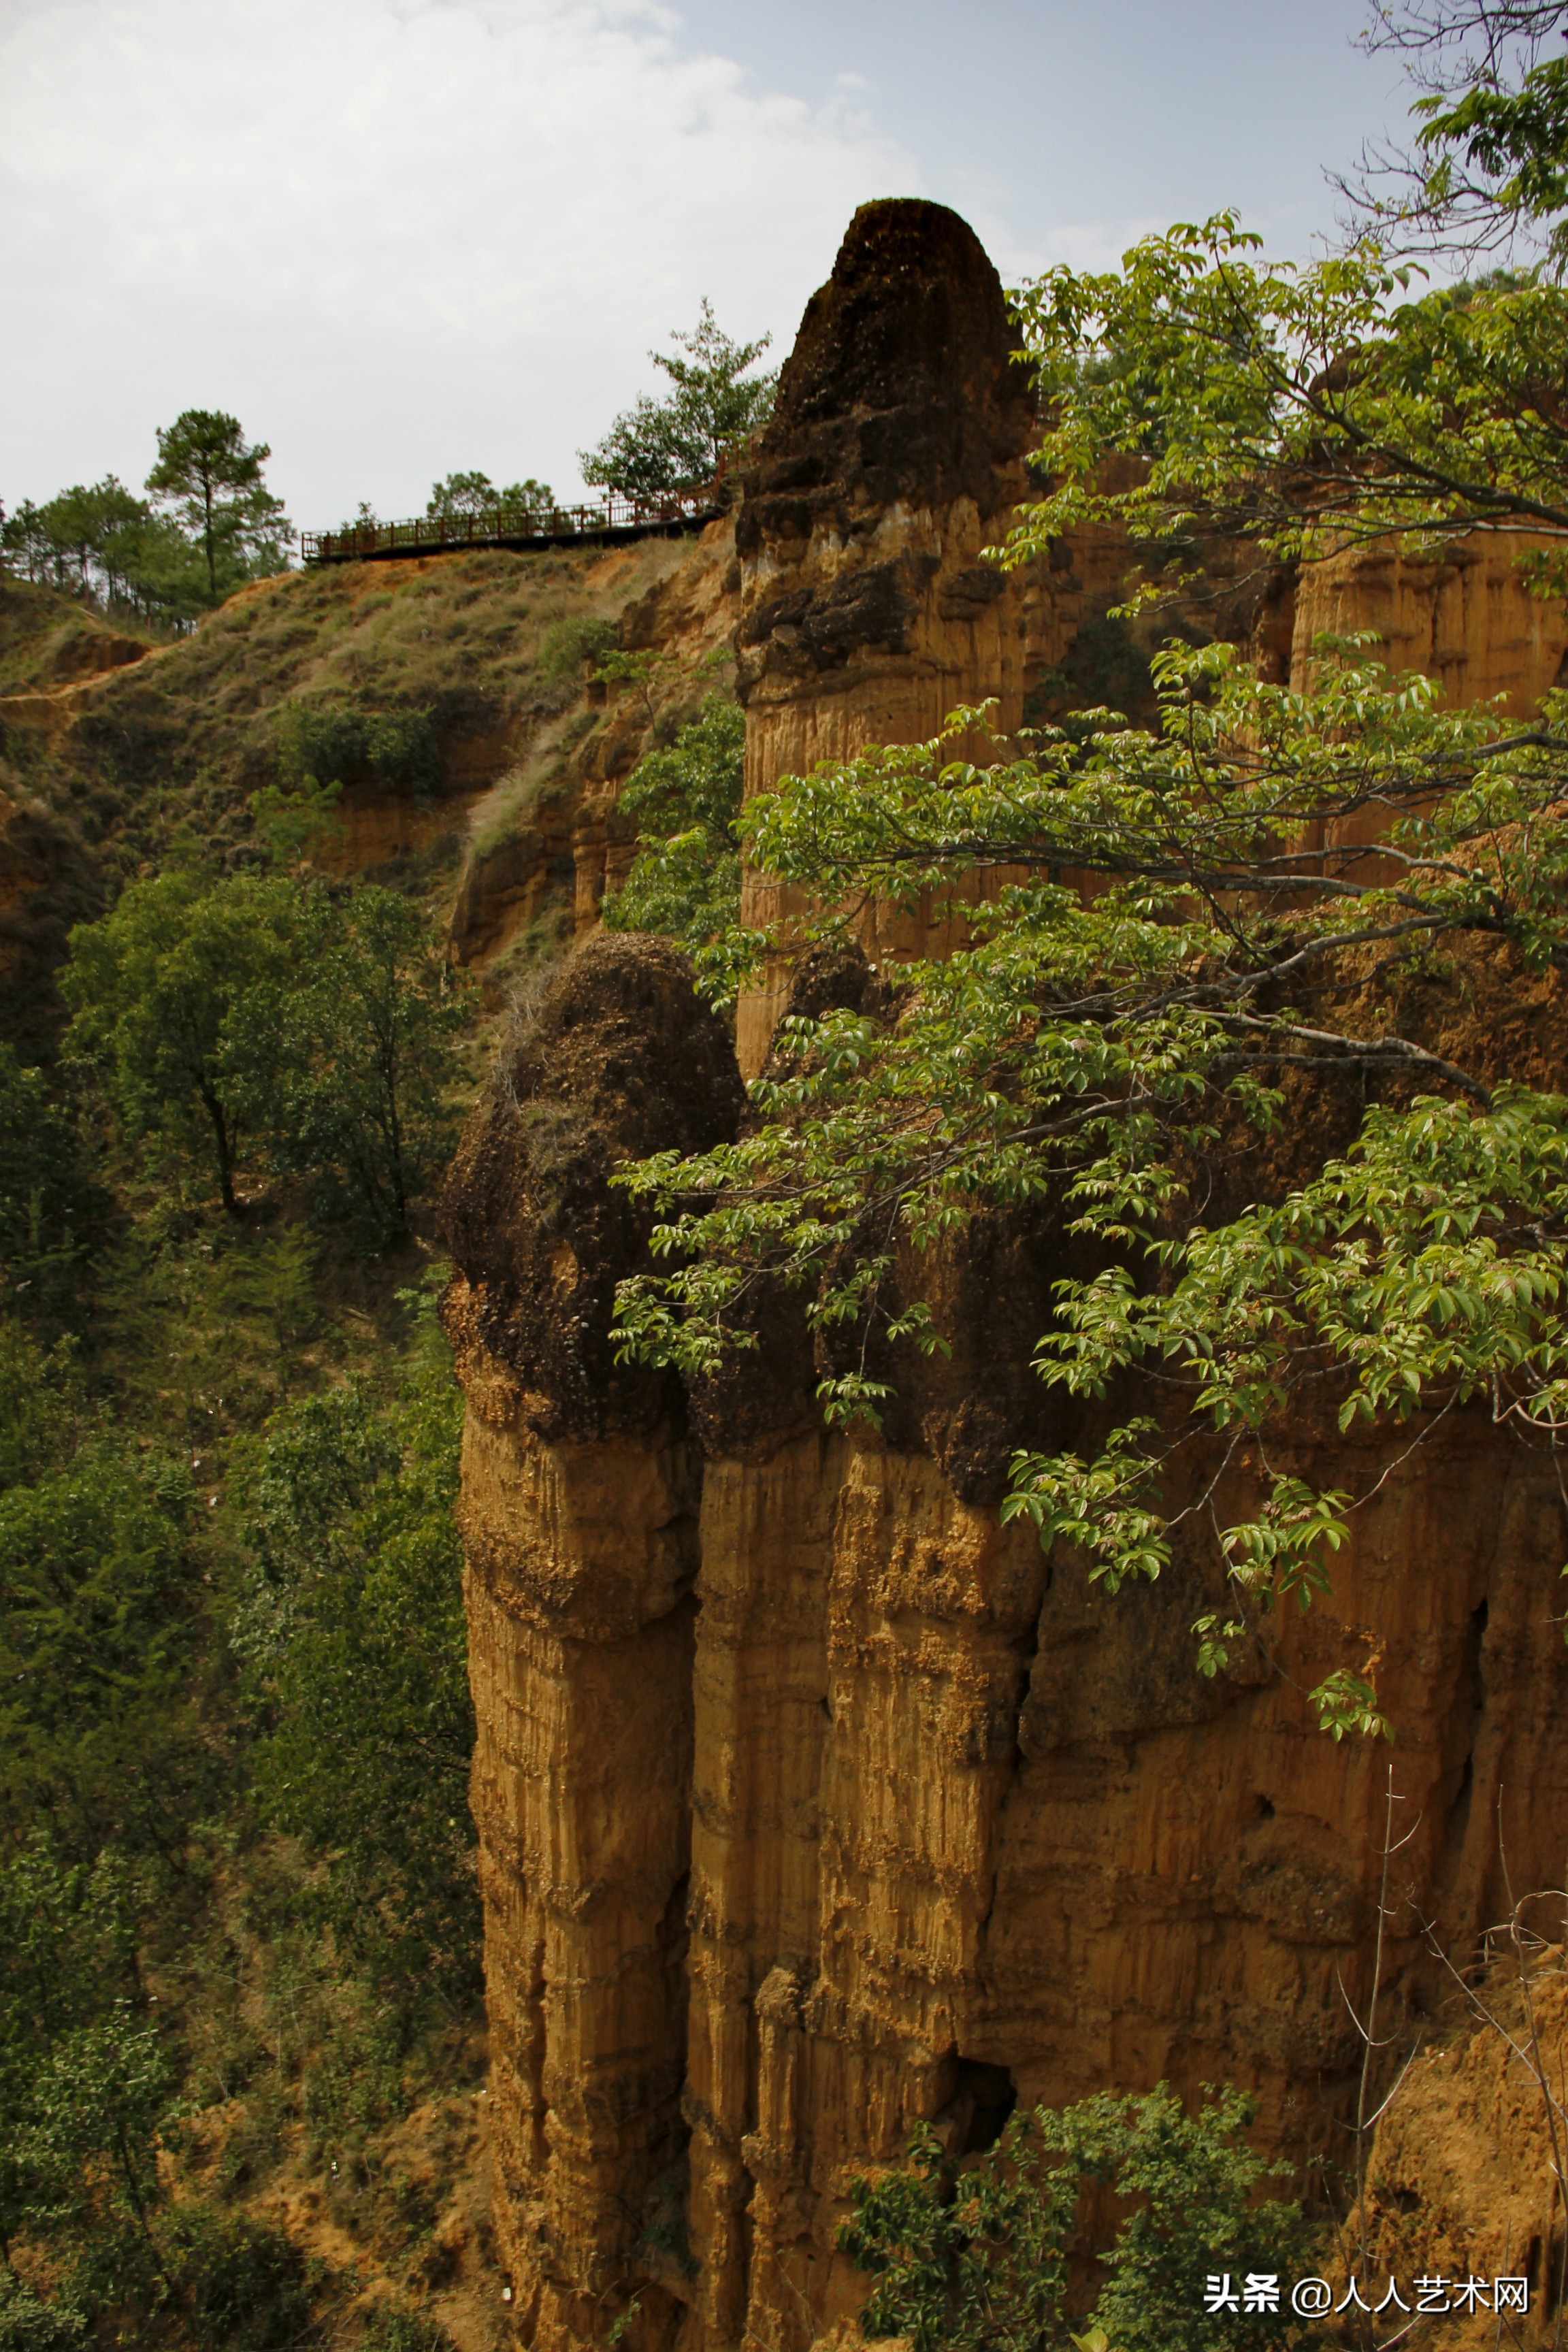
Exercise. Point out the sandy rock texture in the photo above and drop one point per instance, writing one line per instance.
(813, 1801)
(1465, 617)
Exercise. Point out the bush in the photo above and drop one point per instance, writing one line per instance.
(685, 878)
(326, 741)
(45, 1194)
(98, 1632)
(395, 2329)
(28, 2323)
(243, 2283)
(568, 645)
(970, 2254)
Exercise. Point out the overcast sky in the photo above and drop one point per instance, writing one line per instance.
(401, 237)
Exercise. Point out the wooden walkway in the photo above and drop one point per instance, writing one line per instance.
(612, 518)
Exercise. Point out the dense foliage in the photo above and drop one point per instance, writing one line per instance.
(235, 1865)
(685, 879)
(970, 2254)
(352, 1632)
(326, 741)
(528, 502)
(273, 1020)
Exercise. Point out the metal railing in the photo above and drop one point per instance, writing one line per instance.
(611, 518)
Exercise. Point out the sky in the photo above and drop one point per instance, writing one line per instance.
(398, 237)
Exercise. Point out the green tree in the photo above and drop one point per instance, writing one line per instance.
(81, 525)
(1309, 407)
(476, 494)
(105, 545)
(685, 879)
(353, 1636)
(89, 2142)
(1102, 1049)
(361, 1046)
(269, 1014)
(24, 549)
(156, 988)
(680, 443)
(212, 476)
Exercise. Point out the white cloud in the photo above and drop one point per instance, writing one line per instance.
(394, 236)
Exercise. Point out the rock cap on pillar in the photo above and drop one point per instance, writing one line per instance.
(902, 383)
(891, 461)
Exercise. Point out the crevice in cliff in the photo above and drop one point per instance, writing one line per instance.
(978, 2097)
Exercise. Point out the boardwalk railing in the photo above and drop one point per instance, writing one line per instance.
(612, 517)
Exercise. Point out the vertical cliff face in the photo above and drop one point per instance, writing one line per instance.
(1465, 617)
(814, 1801)
(579, 1505)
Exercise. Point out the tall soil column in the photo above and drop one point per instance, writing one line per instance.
(579, 1503)
(892, 458)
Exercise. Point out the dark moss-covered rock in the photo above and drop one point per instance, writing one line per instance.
(617, 1058)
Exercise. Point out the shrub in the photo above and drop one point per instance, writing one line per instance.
(28, 2323)
(327, 741)
(568, 645)
(685, 878)
(970, 2254)
(45, 1194)
(243, 2283)
(353, 1633)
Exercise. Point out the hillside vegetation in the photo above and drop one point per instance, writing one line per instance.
(241, 2042)
(412, 686)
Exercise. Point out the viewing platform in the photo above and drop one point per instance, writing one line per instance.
(610, 520)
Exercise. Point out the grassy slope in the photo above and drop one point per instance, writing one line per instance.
(47, 639)
(159, 759)
(480, 640)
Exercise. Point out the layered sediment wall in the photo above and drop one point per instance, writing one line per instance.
(813, 1801)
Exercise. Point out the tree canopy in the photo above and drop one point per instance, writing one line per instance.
(211, 476)
(265, 1016)
(680, 443)
(1182, 940)
(1307, 407)
(211, 524)
(476, 494)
